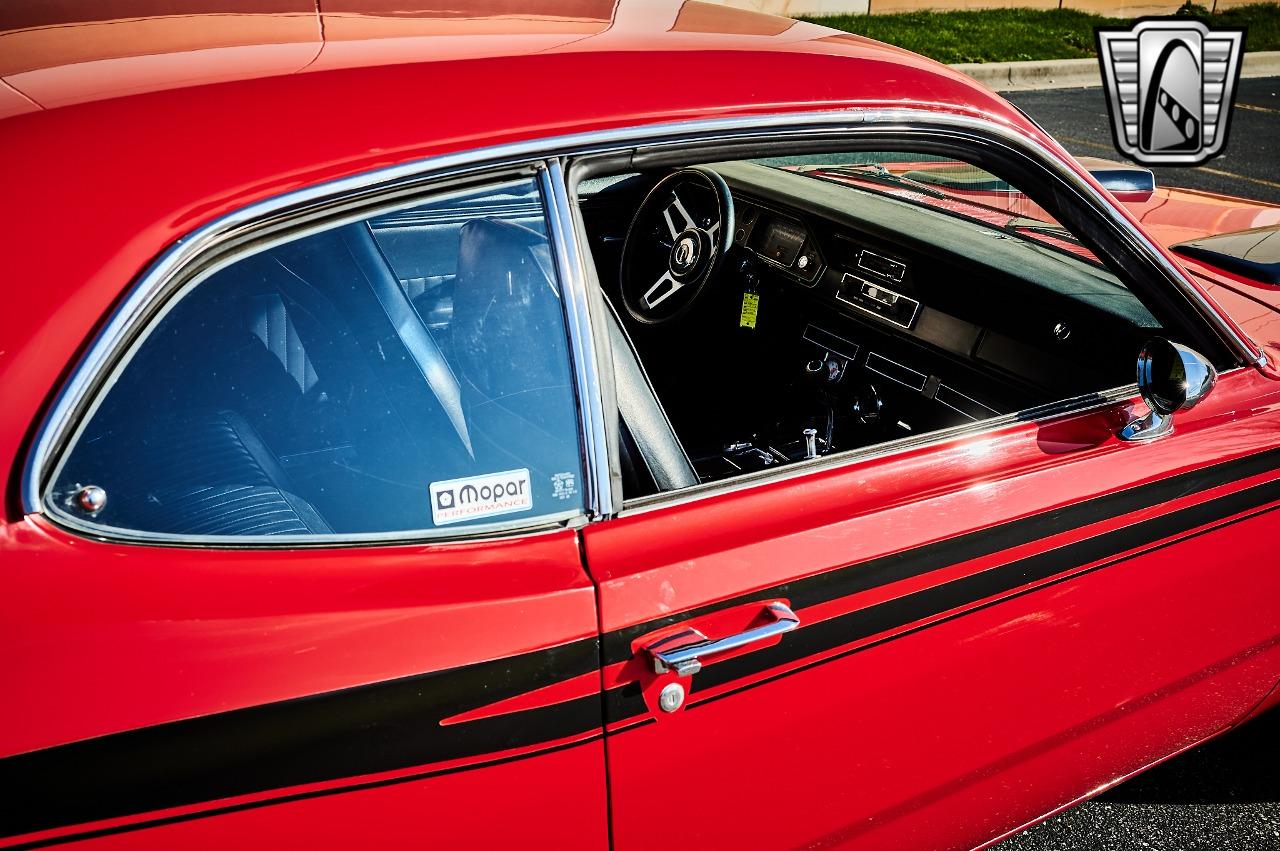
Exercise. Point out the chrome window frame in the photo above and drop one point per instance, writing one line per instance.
(566, 246)
(394, 182)
(170, 280)
(1238, 346)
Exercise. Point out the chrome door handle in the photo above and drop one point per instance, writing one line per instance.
(686, 659)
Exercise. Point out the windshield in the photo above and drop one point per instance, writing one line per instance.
(945, 184)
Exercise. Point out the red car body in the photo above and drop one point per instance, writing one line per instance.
(992, 628)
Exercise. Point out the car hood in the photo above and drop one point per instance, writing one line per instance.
(1173, 216)
(1191, 223)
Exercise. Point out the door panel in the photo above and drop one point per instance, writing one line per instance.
(154, 684)
(259, 664)
(989, 628)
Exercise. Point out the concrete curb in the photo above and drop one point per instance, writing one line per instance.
(1081, 73)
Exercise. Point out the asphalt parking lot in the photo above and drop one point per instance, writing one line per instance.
(1221, 796)
(1224, 795)
(1250, 167)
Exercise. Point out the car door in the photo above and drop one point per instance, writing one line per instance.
(932, 643)
(305, 574)
(989, 627)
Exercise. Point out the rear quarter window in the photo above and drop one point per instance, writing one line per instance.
(406, 372)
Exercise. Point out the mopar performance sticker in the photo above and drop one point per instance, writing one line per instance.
(456, 500)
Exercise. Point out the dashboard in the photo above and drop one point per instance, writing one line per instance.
(1012, 323)
(779, 240)
(785, 242)
(874, 318)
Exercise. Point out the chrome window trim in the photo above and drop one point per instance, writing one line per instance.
(175, 286)
(543, 524)
(975, 429)
(406, 177)
(573, 279)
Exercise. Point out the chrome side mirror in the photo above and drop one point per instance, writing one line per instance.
(1171, 378)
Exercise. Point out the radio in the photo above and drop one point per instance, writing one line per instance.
(878, 300)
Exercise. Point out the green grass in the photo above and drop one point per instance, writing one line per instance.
(1004, 35)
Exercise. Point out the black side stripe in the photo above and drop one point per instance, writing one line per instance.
(625, 702)
(162, 821)
(876, 572)
(366, 730)
(395, 725)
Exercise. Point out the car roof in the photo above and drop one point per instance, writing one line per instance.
(126, 124)
(179, 104)
(66, 52)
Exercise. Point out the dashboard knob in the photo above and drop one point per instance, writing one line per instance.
(824, 370)
(814, 371)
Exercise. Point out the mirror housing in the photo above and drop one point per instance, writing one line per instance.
(1171, 378)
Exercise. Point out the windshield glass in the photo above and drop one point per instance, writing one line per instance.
(945, 184)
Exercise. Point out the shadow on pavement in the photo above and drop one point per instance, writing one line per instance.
(1237, 768)
(1221, 796)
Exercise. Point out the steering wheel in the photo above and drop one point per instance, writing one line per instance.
(676, 244)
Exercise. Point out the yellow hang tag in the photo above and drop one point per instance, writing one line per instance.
(750, 307)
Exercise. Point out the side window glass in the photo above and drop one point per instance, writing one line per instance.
(871, 297)
(406, 372)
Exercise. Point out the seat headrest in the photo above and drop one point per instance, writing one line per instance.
(505, 291)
